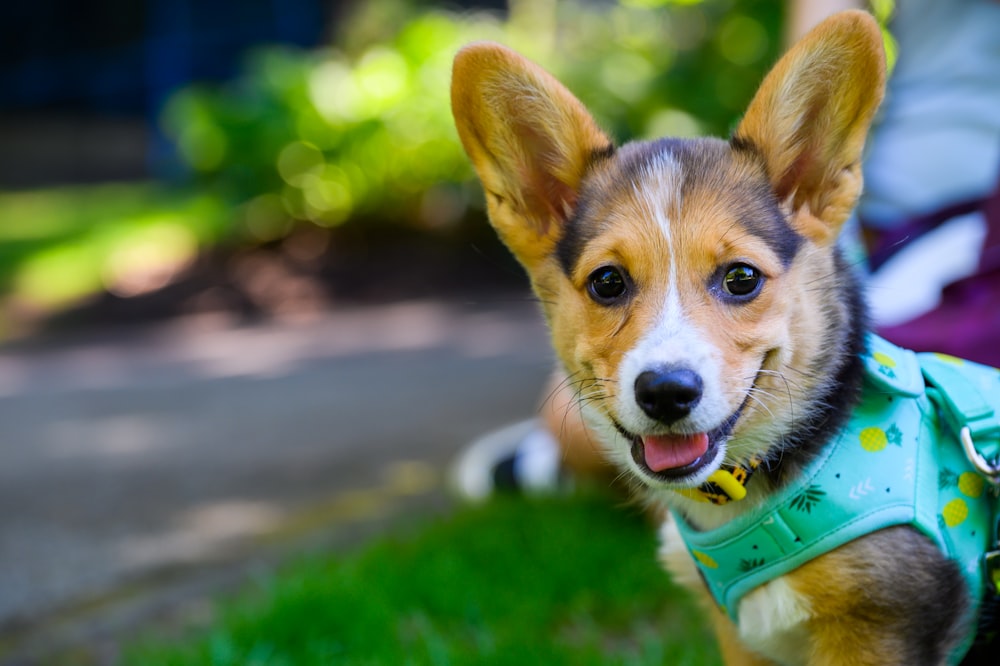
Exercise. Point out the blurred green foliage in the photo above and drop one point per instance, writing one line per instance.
(361, 132)
(60, 244)
(360, 135)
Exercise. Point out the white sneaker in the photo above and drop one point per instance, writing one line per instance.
(523, 456)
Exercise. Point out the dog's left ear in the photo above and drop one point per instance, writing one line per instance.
(810, 117)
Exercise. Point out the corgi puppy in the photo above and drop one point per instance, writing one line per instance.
(696, 294)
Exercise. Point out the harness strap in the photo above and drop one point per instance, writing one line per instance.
(966, 411)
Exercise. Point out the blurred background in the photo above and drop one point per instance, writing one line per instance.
(172, 157)
(248, 295)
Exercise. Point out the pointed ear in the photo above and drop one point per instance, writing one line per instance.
(810, 118)
(529, 140)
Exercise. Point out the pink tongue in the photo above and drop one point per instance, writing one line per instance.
(664, 452)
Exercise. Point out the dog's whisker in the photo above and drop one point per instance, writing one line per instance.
(758, 403)
(565, 383)
(787, 383)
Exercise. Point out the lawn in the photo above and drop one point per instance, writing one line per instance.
(517, 581)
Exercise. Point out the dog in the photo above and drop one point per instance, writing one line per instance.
(697, 297)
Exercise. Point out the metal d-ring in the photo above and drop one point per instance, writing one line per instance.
(982, 465)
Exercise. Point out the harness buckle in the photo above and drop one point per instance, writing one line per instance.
(989, 470)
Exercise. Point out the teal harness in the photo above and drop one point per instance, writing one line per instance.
(919, 450)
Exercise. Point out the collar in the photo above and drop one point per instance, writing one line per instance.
(883, 371)
(726, 484)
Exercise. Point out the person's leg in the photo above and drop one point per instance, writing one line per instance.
(534, 455)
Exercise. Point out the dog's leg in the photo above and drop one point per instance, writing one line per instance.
(734, 652)
(871, 608)
(675, 559)
(857, 605)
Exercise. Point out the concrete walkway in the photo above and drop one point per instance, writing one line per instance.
(140, 470)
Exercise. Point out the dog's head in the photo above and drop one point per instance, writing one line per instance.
(691, 286)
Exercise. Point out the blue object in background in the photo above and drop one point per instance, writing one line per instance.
(80, 65)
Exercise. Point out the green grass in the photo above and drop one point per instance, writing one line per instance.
(558, 581)
(61, 244)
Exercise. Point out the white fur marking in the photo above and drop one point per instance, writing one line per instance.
(674, 555)
(672, 339)
(664, 178)
(772, 617)
(772, 621)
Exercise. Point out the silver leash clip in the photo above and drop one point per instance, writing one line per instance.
(989, 470)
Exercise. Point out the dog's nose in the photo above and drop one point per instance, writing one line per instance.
(668, 394)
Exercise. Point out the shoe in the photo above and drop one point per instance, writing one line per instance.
(522, 457)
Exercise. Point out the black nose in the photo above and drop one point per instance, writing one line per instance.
(669, 394)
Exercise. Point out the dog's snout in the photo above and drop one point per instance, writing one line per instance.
(669, 394)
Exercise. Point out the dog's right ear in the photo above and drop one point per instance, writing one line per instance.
(529, 139)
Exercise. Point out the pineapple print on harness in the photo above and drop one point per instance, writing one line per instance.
(897, 462)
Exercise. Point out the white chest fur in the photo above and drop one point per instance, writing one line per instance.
(772, 622)
(772, 617)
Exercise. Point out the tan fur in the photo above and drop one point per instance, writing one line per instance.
(811, 116)
(529, 139)
(539, 154)
(743, 336)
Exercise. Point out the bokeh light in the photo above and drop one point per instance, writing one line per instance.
(360, 133)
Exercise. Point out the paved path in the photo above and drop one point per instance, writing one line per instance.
(167, 459)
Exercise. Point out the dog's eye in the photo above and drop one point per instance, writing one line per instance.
(741, 280)
(606, 285)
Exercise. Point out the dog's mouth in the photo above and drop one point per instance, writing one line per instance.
(672, 457)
